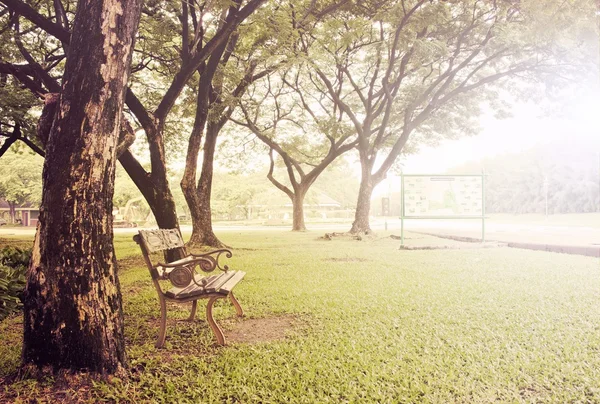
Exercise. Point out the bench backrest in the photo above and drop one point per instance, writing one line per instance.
(158, 240)
(161, 239)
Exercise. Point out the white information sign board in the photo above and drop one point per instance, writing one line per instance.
(442, 196)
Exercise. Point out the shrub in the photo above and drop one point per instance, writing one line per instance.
(12, 283)
(15, 257)
(13, 265)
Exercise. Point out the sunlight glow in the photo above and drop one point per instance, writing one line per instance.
(526, 129)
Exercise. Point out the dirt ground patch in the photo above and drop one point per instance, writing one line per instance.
(257, 330)
(130, 262)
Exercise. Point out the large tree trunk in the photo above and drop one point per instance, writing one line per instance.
(72, 308)
(154, 186)
(157, 194)
(363, 206)
(298, 211)
(200, 210)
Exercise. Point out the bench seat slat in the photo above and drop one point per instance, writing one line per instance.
(187, 291)
(230, 284)
(215, 284)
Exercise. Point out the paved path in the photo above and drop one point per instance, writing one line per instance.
(568, 239)
(542, 234)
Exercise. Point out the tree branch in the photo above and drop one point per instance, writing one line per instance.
(48, 81)
(271, 178)
(183, 75)
(44, 23)
(341, 104)
(17, 135)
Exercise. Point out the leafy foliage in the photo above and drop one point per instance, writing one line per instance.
(21, 87)
(21, 177)
(13, 265)
(423, 70)
(15, 257)
(12, 284)
(16, 105)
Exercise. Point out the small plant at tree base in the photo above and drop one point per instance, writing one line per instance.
(13, 265)
(15, 257)
(12, 283)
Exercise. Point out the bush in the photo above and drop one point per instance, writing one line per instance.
(13, 265)
(15, 257)
(12, 283)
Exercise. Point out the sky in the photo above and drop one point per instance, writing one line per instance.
(529, 126)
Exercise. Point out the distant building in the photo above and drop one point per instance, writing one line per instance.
(26, 214)
(274, 204)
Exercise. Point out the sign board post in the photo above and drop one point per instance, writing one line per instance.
(442, 197)
(482, 206)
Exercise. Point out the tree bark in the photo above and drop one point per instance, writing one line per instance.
(363, 205)
(72, 308)
(298, 210)
(200, 210)
(153, 186)
(155, 190)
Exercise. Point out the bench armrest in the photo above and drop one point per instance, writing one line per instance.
(181, 273)
(207, 262)
(213, 257)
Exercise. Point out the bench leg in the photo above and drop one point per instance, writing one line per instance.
(162, 334)
(236, 304)
(193, 312)
(211, 321)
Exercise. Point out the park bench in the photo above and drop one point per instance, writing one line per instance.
(188, 284)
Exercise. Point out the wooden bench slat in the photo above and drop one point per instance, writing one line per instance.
(215, 284)
(178, 291)
(230, 284)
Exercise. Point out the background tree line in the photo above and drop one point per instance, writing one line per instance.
(564, 178)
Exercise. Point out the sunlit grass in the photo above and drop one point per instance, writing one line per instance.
(376, 324)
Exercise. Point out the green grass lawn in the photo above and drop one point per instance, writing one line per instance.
(371, 324)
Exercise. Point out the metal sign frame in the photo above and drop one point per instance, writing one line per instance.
(455, 217)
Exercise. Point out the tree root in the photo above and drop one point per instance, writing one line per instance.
(331, 236)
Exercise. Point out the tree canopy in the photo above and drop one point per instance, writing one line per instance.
(397, 68)
(21, 177)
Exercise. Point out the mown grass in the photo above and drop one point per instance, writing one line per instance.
(375, 324)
